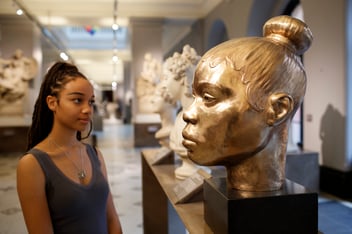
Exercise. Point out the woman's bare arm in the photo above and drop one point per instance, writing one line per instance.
(31, 192)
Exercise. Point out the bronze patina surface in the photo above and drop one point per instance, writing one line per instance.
(246, 92)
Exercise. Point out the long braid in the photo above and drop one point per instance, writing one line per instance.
(42, 120)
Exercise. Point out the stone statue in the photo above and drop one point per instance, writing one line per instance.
(178, 72)
(151, 69)
(166, 110)
(246, 92)
(15, 73)
(146, 83)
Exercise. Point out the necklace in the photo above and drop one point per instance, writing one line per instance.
(81, 172)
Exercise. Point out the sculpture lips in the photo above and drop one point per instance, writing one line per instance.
(188, 142)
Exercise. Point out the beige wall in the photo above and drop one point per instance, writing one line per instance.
(15, 33)
(325, 101)
(234, 14)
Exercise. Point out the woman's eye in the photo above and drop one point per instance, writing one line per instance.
(91, 102)
(77, 100)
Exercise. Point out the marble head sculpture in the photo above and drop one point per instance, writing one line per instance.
(246, 92)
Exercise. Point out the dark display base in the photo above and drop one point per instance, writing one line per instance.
(13, 139)
(144, 134)
(290, 210)
(336, 182)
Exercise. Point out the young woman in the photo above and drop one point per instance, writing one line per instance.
(61, 182)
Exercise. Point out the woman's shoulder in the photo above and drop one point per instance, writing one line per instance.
(30, 176)
(32, 156)
(28, 163)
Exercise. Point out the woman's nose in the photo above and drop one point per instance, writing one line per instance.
(87, 109)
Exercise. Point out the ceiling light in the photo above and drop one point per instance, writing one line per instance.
(115, 26)
(19, 12)
(64, 56)
(115, 59)
(108, 21)
(114, 84)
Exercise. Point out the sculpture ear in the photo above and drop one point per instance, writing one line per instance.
(51, 101)
(280, 108)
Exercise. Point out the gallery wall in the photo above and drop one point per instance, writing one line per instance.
(325, 104)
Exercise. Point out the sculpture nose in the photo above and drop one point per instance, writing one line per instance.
(189, 115)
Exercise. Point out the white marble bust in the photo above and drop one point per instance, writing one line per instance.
(179, 71)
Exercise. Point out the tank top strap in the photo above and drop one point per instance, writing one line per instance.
(93, 155)
(44, 161)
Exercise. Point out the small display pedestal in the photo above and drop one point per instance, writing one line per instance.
(145, 127)
(292, 209)
(13, 133)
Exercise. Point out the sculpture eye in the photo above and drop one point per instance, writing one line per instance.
(208, 98)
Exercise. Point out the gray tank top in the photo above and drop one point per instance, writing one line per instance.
(75, 208)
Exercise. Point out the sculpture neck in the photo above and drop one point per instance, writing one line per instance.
(264, 171)
(167, 117)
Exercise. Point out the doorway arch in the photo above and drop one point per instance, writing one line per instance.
(217, 34)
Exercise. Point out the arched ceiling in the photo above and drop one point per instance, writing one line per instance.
(84, 26)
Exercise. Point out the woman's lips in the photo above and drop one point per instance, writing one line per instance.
(85, 121)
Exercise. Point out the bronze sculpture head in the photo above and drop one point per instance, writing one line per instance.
(246, 92)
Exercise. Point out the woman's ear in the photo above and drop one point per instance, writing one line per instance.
(280, 108)
(51, 101)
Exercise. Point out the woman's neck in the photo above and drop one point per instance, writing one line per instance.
(63, 139)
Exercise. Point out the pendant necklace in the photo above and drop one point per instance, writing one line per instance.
(81, 172)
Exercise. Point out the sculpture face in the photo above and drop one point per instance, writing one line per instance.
(157, 102)
(246, 91)
(221, 126)
(173, 88)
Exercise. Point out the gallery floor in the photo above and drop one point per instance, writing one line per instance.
(124, 170)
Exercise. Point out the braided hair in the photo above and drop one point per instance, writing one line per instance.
(43, 118)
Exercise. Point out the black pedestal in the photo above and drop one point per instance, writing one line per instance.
(290, 210)
(336, 182)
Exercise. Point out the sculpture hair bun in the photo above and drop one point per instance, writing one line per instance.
(292, 32)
